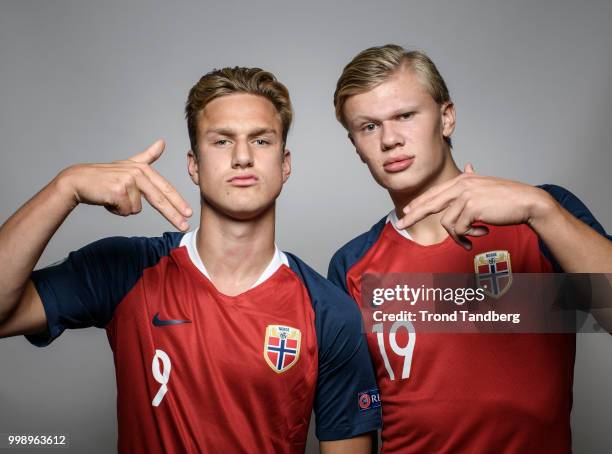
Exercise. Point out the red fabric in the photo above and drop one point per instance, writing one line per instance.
(474, 393)
(221, 392)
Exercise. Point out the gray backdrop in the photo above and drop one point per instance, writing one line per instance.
(85, 82)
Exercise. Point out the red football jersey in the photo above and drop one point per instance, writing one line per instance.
(200, 371)
(449, 393)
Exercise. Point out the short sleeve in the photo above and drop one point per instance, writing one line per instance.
(351, 253)
(347, 403)
(336, 272)
(84, 289)
(578, 209)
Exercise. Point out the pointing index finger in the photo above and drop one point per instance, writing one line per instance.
(166, 188)
(430, 194)
(158, 200)
(422, 207)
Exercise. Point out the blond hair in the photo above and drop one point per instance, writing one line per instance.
(227, 81)
(373, 66)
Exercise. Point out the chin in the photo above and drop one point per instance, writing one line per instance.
(240, 210)
(400, 183)
(244, 213)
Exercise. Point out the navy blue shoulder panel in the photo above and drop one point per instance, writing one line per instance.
(578, 209)
(84, 289)
(349, 254)
(345, 367)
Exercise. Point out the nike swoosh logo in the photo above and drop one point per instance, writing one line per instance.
(158, 322)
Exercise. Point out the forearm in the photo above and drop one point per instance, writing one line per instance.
(24, 236)
(361, 444)
(576, 246)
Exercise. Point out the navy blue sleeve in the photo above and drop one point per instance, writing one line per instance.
(351, 253)
(84, 289)
(347, 402)
(338, 267)
(578, 209)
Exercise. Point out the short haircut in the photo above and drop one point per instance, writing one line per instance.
(373, 66)
(227, 81)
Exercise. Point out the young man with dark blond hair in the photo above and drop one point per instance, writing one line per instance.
(445, 392)
(221, 342)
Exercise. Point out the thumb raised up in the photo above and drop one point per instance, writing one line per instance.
(151, 154)
(469, 168)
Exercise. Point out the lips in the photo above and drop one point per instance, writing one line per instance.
(398, 163)
(244, 180)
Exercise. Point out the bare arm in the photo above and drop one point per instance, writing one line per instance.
(118, 186)
(23, 237)
(358, 445)
(576, 246)
(470, 198)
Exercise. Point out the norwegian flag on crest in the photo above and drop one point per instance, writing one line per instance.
(281, 347)
(493, 272)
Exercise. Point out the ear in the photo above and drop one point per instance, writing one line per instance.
(192, 167)
(286, 165)
(356, 149)
(448, 118)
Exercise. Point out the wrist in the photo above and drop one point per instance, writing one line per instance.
(542, 209)
(64, 187)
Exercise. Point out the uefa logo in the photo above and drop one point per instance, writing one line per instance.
(368, 399)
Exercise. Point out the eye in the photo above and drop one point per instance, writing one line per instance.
(261, 142)
(222, 142)
(369, 127)
(406, 115)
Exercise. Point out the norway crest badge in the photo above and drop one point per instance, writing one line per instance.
(493, 272)
(282, 347)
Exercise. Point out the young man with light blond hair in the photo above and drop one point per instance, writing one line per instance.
(446, 392)
(221, 342)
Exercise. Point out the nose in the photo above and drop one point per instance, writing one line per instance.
(242, 155)
(390, 138)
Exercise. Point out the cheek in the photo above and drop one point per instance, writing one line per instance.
(270, 163)
(368, 147)
(276, 174)
(436, 128)
(215, 160)
(208, 171)
(210, 174)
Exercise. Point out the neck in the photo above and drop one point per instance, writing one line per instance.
(428, 230)
(235, 252)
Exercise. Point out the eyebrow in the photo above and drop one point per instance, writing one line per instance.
(231, 133)
(364, 118)
(221, 131)
(263, 131)
(361, 119)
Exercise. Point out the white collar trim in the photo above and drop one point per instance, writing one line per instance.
(189, 241)
(392, 218)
